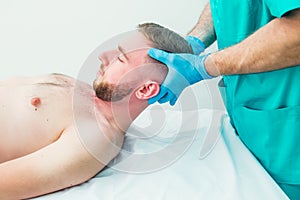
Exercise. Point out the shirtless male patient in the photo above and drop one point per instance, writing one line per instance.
(57, 132)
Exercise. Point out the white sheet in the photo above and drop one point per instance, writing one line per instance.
(208, 166)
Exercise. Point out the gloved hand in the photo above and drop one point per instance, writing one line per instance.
(197, 45)
(184, 70)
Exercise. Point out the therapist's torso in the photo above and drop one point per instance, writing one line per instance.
(264, 107)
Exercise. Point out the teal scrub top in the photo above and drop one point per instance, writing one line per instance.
(264, 107)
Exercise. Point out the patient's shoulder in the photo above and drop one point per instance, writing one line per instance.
(55, 79)
(100, 141)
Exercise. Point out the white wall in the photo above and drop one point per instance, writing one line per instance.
(45, 36)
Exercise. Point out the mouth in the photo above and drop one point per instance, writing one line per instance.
(99, 74)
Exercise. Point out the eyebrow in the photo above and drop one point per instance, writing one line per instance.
(122, 52)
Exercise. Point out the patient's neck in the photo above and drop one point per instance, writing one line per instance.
(122, 113)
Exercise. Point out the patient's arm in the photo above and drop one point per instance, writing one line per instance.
(62, 164)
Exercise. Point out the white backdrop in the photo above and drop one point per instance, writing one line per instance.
(45, 36)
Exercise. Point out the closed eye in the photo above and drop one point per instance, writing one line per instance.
(122, 57)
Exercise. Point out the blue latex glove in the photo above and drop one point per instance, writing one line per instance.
(184, 70)
(197, 45)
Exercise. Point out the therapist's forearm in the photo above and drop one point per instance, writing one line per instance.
(274, 46)
(204, 29)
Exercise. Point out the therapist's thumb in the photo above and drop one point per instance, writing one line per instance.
(159, 55)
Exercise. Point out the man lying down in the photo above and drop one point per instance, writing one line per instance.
(57, 132)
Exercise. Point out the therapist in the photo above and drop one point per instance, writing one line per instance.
(259, 58)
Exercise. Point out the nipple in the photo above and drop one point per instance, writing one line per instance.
(35, 102)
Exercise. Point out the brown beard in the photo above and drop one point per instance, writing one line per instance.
(111, 92)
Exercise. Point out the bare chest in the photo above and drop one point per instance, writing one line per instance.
(32, 115)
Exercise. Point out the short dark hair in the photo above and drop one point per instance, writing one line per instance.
(164, 39)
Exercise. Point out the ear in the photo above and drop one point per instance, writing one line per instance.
(147, 90)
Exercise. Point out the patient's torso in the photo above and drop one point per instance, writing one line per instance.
(34, 112)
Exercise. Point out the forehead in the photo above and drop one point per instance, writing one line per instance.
(128, 42)
(135, 40)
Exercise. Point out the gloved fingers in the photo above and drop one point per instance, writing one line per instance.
(164, 96)
(168, 97)
(173, 101)
(163, 91)
(197, 45)
(159, 55)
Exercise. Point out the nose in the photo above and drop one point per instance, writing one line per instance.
(102, 69)
(107, 57)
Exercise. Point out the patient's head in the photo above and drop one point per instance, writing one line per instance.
(128, 70)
